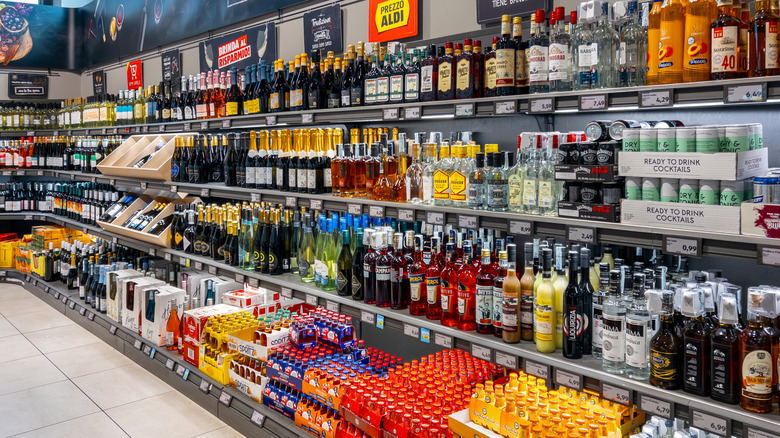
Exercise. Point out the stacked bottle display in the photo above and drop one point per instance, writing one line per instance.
(84, 202)
(57, 153)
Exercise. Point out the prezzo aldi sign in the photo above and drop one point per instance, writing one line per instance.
(390, 20)
(135, 75)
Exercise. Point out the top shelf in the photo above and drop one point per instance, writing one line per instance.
(695, 95)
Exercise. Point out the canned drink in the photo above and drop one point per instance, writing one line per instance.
(588, 153)
(611, 193)
(591, 193)
(737, 138)
(564, 152)
(648, 140)
(685, 139)
(651, 189)
(618, 126)
(631, 140)
(722, 140)
(732, 193)
(606, 153)
(668, 124)
(597, 130)
(667, 139)
(707, 139)
(689, 191)
(766, 190)
(670, 190)
(709, 192)
(634, 188)
(755, 136)
(571, 191)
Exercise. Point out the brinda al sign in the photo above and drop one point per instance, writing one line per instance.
(390, 20)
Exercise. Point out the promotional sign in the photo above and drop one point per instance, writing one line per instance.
(38, 36)
(171, 65)
(239, 49)
(390, 20)
(135, 74)
(492, 10)
(23, 85)
(322, 29)
(98, 82)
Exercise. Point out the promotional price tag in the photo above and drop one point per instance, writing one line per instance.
(412, 112)
(257, 418)
(711, 423)
(112, 329)
(226, 123)
(769, 256)
(91, 317)
(213, 270)
(315, 204)
(152, 353)
(655, 407)
(169, 364)
(287, 292)
(332, 306)
(411, 330)
(745, 93)
(367, 317)
(581, 234)
(434, 217)
(380, 322)
(270, 120)
(651, 99)
(544, 105)
(481, 352)
(682, 246)
(291, 201)
(406, 215)
(204, 126)
(523, 228)
(464, 110)
(425, 335)
(752, 432)
(186, 374)
(591, 103)
(469, 222)
(225, 398)
(376, 211)
(307, 118)
(204, 193)
(537, 369)
(82, 311)
(616, 394)
(442, 340)
(506, 360)
(354, 209)
(567, 379)
(390, 114)
(507, 107)
(311, 300)
(205, 386)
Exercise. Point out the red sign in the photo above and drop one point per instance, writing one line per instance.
(390, 20)
(233, 51)
(135, 75)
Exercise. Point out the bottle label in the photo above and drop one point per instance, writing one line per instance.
(476, 192)
(529, 192)
(457, 186)
(771, 45)
(664, 365)
(445, 76)
(464, 299)
(431, 289)
(544, 321)
(697, 52)
(757, 375)
(415, 283)
(383, 273)
(509, 314)
(412, 86)
(695, 356)
(357, 284)
(311, 179)
(614, 338)
(426, 79)
(342, 283)
(427, 189)
(636, 343)
(396, 88)
(521, 68)
(585, 54)
(574, 323)
(497, 193)
(314, 99)
(232, 108)
(725, 41)
(188, 113)
(201, 111)
(527, 309)
(515, 190)
(345, 95)
(498, 304)
(484, 305)
(441, 185)
(670, 57)
(490, 73)
(382, 89)
(723, 359)
(505, 68)
(446, 298)
(371, 90)
(463, 74)
(538, 66)
(296, 98)
(559, 62)
(356, 95)
(545, 194)
(327, 177)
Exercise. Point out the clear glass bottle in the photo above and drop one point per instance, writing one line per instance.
(497, 185)
(414, 178)
(583, 48)
(538, 61)
(613, 330)
(637, 333)
(441, 177)
(530, 181)
(608, 42)
(477, 184)
(560, 53)
(429, 169)
(461, 169)
(633, 50)
(547, 198)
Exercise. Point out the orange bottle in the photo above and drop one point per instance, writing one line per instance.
(653, 44)
(670, 55)
(699, 15)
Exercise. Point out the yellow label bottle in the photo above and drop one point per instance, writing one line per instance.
(670, 54)
(544, 308)
(699, 15)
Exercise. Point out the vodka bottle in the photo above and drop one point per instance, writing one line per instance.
(633, 47)
(538, 65)
(583, 51)
(560, 53)
(613, 330)
(608, 47)
(637, 330)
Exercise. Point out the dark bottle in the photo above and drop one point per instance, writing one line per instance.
(400, 288)
(383, 266)
(241, 155)
(369, 267)
(345, 263)
(725, 366)
(506, 49)
(370, 85)
(262, 91)
(397, 77)
(331, 82)
(358, 77)
(261, 242)
(316, 87)
(235, 99)
(230, 162)
(164, 101)
(188, 241)
(468, 73)
(357, 265)
(383, 82)
(696, 342)
(666, 349)
(429, 75)
(573, 312)
(299, 93)
(446, 88)
(231, 251)
(346, 77)
(216, 159)
(275, 253)
(412, 78)
(587, 295)
(250, 105)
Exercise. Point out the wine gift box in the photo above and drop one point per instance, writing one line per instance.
(155, 316)
(158, 168)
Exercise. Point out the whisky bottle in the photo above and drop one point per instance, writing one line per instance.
(696, 342)
(757, 367)
(725, 358)
(666, 347)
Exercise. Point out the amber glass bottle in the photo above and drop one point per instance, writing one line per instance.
(724, 369)
(763, 44)
(666, 356)
(727, 44)
(757, 369)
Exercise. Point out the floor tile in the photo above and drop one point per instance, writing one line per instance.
(121, 385)
(167, 415)
(61, 338)
(24, 411)
(6, 328)
(88, 359)
(225, 432)
(19, 306)
(34, 321)
(97, 425)
(22, 374)
(11, 291)
(16, 347)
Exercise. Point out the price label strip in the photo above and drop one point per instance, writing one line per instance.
(464, 110)
(593, 103)
(434, 217)
(406, 215)
(685, 246)
(291, 201)
(376, 211)
(616, 394)
(442, 340)
(655, 99)
(412, 113)
(711, 423)
(769, 256)
(311, 300)
(332, 306)
(390, 114)
(411, 330)
(315, 204)
(567, 379)
(537, 369)
(581, 234)
(745, 93)
(507, 107)
(354, 209)
(287, 292)
(469, 222)
(226, 124)
(654, 406)
(545, 105)
(522, 228)
(506, 360)
(270, 120)
(307, 118)
(481, 352)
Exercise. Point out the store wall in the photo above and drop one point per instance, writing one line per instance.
(62, 86)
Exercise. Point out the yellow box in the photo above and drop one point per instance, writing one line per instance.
(7, 257)
(218, 370)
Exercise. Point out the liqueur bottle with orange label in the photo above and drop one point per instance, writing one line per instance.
(763, 42)
(757, 369)
(699, 15)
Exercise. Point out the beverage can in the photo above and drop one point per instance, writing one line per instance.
(689, 191)
(606, 153)
(707, 139)
(667, 139)
(634, 188)
(670, 190)
(648, 140)
(631, 140)
(564, 153)
(766, 189)
(755, 136)
(588, 153)
(685, 139)
(611, 193)
(722, 140)
(572, 191)
(709, 192)
(590, 193)
(651, 189)
(597, 130)
(737, 138)
(732, 193)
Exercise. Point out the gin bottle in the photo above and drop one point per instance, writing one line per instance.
(613, 330)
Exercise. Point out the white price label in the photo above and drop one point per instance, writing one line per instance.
(650, 99)
(523, 228)
(469, 222)
(198, 266)
(434, 217)
(752, 432)
(179, 370)
(464, 110)
(411, 330)
(104, 130)
(616, 394)
(161, 128)
(332, 306)
(204, 193)
(82, 311)
(145, 129)
(205, 386)
(64, 298)
(188, 126)
(412, 112)
(311, 300)
(544, 105)
(257, 418)
(537, 369)
(56, 294)
(506, 360)
(270, 120)
(745, 93)
(255, 197)
(167, 256)
(291, 201)
(581, 234)
(72, 176)
(711, 423)
(170, 364)
(595, 102)
(307, 118)
(367, 317)
(654, 406)
(569, 380)
(152, 252)
(57, 133)
(769, 256)
(225, 398)
(481, 352)
(112, 329)
(226, 123)
(28, 217)
(204, 126)
(254, 282)
(507, 107)
(40, 173)
(406, 215)
(682, 246)
(390, 114)
(143, 185)
(315, 204)
(147, 350)
(287, 292)
(91, 317)
(355, 209)
(442, 340)
(376, 211)
(184, 261)
(213, 270)
(115, 240)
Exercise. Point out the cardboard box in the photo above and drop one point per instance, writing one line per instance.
(761, 219)
(242, 341)
(7, 258)
(133, 293)
(220, 287)
(252, 389)
(219, 369)
(166, 298)
(158, 168)
(194, 321)
(243, 298)
(190, 352)
(462, 425)
(722, 166)
(585, 173)
(114, 296)
(690, 217)
(190, 281)
(592, 212)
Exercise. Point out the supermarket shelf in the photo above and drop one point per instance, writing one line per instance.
(687, 95)
(239, 413)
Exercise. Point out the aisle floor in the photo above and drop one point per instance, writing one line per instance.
(59, 380)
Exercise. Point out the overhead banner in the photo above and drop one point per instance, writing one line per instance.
(135, 75)
(23, 85)
(38, 36)
(322, 29)
(239, 49)
(492, 10)
(171, 65)
(390, 20)
(98, 82)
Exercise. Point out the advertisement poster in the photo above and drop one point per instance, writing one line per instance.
(98, 82)
(239, 49)
(171, 65)
(322, 30)
(135, 74)
(390, 20)
(37, 36)
(23, 85)
(492, 10)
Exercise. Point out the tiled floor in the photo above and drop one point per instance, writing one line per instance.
(57, 379)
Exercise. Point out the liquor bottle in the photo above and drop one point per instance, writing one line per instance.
(429, 75)
(527, 295)
(725, 380)
(166, 102)
(477, 184)
(666, 346)
(696, 343)
(201, 103)
(587, 293)
(358, 79)
(497, 190)
(446, 81)
(467, 73)
(613, 329)
(699, 15)
(608, 50)
(397, 75)
(466, 290)
(382, 268)
(369, 265)
(433, 308)
(400, 283)
(299, 94)
(412, 78)
(547, 199)
(417, 283)
(755, 345)
(247, 242)
(448, 288)
(729, 46)
(762, 33)
(510, 287)
(633, 47)
(521, 60)
(544, 316)
(276, 98)
(358, 255)
(506, 52)
(317, 97)
(306, 251)
(331, 253)
(235, 100)
(559, 53)
(348, 70)
(414, 178)
(484, 292)
(670, 55)
(538, 62)
(332, 81)
(489, 72)
(574, 313)
(344, 277)
(638, 326)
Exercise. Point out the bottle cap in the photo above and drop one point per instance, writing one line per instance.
(479, 159)
(660, 302)
(540, 15)
(511, 252)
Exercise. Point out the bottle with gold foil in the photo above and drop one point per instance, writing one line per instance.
(447, 74)
(506, 53)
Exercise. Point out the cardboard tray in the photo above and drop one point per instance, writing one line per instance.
(253, 390)
(690, 217)
(721, 166)
(120, 162)
(761, 219)
(593, 212)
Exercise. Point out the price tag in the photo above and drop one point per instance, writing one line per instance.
(65, 300)
(152, 252)
(270, 120)
(544, 105)
(567, 379)
(186, 374)
(406, 215)
(255, 197)
(307, 118)
(745, 93)
(537, 369)
(616, 394)
(507, 107)
(367, 317)
(651, 99)
(72, 176)
(291, 201)
(188, 126)
(315, 204)
(581, 234)
(287, 292)
(380, 322)
(225, 398)
(332, 306)
(412, 112)
(91, 317)
(434, 217)
(184, 261)
(411, 330)
(240, 278)
(179, 370)
(113, 131)
(390, 114)
(161, 128)
(311, 300)
(40, 173)
(204, 126)
(205, 386)
(711, 423)
(112, 329)
(213, 270)
(167, 256)
(204, 193)
(57, 133)
(506, 360)
(169, 364)
(257, 418)
(226, 123)
(376, 211)
(686, 246)
(254, 282)
(28, 217)
(31, 133)
(591, 103)
(464, 110)
(425, 335)
(470, 222)
(481, 352)
(655, 407)
(198, 266)
(523, 228)
(114, 240)
(355, 209)
(752, 432)
(442, 340)
(769, 256)
(82, 311)
(137, 129)
(147, 350)
(143, 185)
